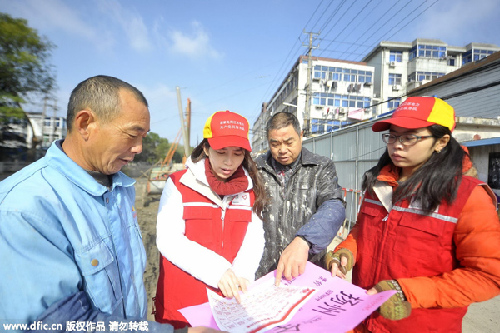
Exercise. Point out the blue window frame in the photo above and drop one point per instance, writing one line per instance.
(394, 79)
(396, 56)
(393, 103)
(428, 51)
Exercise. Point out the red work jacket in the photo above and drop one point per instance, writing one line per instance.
(406, 243)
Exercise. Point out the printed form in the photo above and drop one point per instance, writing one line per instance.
(312, 302)
(261, 308)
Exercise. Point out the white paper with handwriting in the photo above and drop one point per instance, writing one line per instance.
(261, 308)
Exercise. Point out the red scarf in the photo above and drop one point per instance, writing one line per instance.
(237, 183)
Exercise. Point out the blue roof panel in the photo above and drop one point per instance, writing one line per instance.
(483, 142)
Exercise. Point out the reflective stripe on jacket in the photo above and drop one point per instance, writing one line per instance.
(443, 261)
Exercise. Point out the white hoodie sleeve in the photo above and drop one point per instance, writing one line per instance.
(250, 253)
(191, 257)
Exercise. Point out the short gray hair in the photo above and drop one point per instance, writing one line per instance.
(101, 95)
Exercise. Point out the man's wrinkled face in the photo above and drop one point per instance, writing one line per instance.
(285, 145)
(115, 143)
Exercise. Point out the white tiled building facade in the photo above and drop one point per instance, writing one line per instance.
(401, 67)
(31, 132)
(343, 92)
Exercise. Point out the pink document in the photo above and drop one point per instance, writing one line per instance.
(335, 306)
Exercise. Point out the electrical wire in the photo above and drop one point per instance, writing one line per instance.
(389, 18)
(345, 27)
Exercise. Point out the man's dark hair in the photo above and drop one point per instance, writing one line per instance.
(282, 119)
(101, 95)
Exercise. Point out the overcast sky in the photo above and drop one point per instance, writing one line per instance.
(230, 55)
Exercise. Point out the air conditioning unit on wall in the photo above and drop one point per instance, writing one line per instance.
(396, 87)
(392, 64)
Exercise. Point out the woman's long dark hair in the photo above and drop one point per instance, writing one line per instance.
(436, 180)
(249, 164)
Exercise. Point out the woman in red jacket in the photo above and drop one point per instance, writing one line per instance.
(209, 229)
(424, 228)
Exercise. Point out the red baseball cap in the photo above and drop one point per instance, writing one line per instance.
(417, 112)
(227, 129)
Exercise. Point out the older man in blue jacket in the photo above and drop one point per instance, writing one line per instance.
(71, 247)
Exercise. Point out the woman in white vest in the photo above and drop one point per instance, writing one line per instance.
(209, 229)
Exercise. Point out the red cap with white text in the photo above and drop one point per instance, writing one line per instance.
(227, 129)
(417, 112)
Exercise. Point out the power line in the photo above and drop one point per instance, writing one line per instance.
(364, 33)
(314, 13)
(293, 50)
(411, 20)
(403, 19)
(346, 26)
(330, 18)
(389, 18)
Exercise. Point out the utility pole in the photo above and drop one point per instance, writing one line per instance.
(188, 123)
(183, 125)
(307, 118)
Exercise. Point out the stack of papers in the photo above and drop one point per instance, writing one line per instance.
(312, 302)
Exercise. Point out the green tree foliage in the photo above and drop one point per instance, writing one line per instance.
(24, 67)
(155, 149)
(149, 144)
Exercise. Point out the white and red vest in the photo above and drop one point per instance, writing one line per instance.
(221, 231)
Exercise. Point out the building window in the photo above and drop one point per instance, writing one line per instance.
(424, 76)
(349, 74)
(452, 61)
(475, 55)
(427, 51)
(337, 100)
(342, 74)
(45, 141)
(320, 72)
(364, 76)
(317, 125)
(396, 56)
(393, 103)
(394, 79)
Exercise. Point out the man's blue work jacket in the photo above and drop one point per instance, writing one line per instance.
(61, 233)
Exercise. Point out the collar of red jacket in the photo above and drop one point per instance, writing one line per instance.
(389, 174)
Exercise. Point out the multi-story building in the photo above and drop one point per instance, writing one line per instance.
(50, 129)
(34, 133)
(401, 67)
(336, 93)
(343, 92)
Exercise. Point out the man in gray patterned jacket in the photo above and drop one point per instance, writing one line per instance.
(306, 208)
